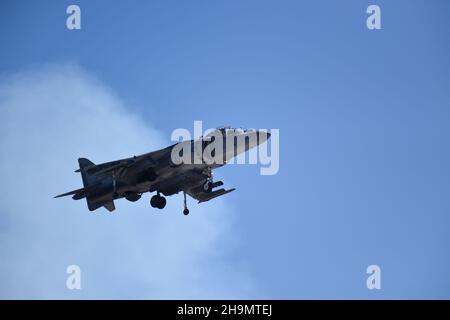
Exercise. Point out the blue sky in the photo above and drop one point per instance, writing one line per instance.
(363, 116)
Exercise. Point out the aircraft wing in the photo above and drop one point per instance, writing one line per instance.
(202, 196)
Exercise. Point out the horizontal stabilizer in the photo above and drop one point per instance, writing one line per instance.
(78, 194)
(69, 193)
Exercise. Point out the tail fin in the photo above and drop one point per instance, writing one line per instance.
(87, 181)
(93, 189)
(83, 162)
(90, 180)
(84, 165)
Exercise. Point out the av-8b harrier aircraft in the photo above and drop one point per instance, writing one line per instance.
(162, 171)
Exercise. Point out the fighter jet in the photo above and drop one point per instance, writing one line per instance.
(162, 171)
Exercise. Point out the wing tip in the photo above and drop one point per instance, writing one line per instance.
(216, 194)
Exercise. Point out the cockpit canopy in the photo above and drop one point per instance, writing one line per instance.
(229, 130)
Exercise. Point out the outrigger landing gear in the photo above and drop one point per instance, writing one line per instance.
(186, 210)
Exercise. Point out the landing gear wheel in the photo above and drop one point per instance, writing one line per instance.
(161, 202)
(154, 201)
(133, 197)
(186, 212)
(158, 201)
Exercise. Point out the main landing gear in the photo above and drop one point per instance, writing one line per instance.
(158, 201)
